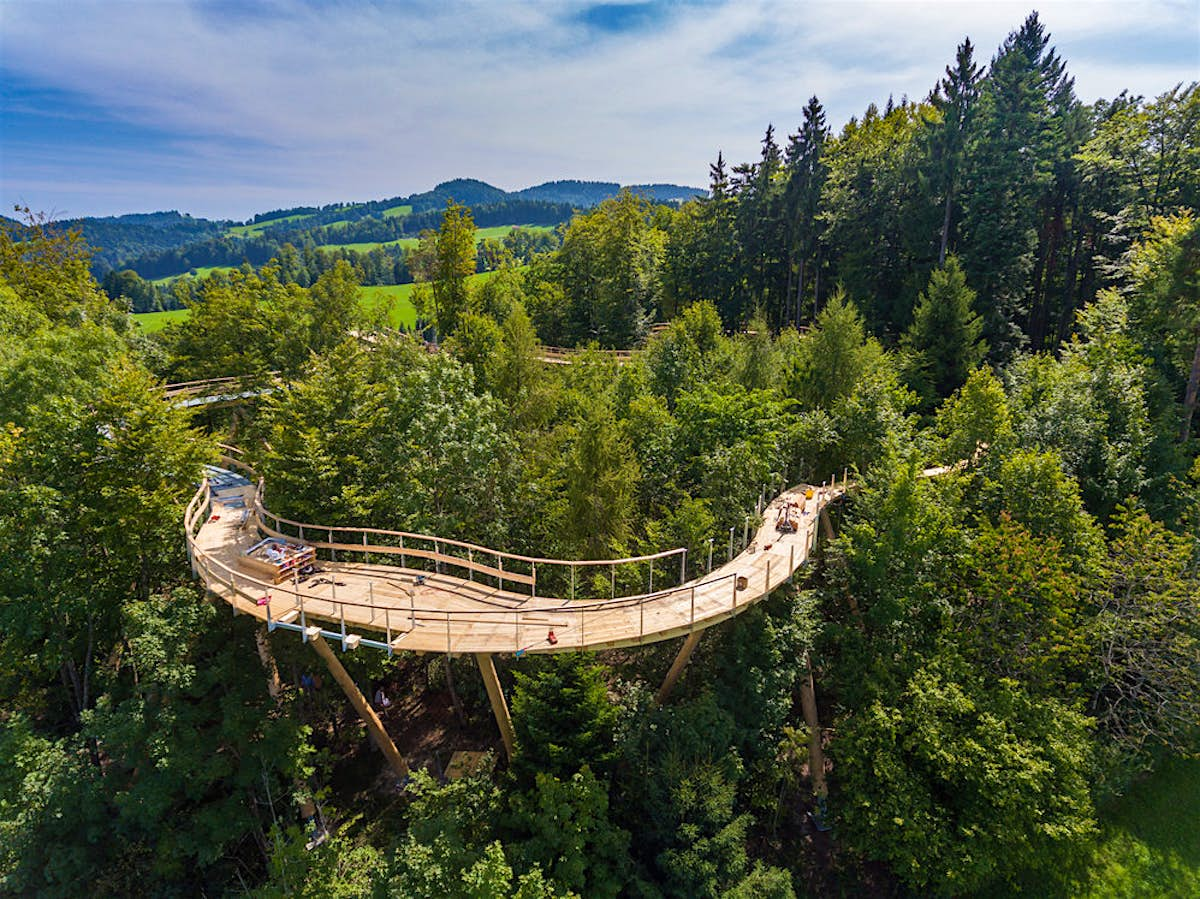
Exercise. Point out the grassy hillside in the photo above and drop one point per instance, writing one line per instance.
(150, 322)
(1151, 841)
(495, 231)
(399, 296)
(202, 271)
(259, 227)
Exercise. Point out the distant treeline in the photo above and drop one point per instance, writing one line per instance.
(116, 238)
(223, 250)
(303, 265)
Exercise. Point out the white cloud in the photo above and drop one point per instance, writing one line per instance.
(316, 103)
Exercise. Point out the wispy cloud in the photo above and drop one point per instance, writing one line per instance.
(246, 106)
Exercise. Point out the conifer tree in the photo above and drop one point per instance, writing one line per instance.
(805, 178)
(955, 97)
(1017, 141)
(944, 338)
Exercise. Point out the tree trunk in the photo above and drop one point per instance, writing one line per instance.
(945, 232)
(454, 700)
(800, 293)
(817, 288)
(1193, 388)
(808, 704)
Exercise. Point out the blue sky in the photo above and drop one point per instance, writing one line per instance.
(224, 109)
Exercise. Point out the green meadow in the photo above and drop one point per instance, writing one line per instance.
(1150, 845)
(495, 231)
(202, 271)
(259, 227)
(398, 297)
(150, 322)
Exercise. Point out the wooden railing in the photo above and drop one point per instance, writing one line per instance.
(393, 621)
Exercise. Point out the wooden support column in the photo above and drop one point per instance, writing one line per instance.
(681, 660)
(816, 756)
(274, 686)
(826, 523)
(499, 707)
(374, 725)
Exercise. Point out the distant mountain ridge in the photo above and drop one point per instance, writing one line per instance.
(121, 240)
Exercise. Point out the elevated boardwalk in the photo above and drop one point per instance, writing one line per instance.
(400, 591)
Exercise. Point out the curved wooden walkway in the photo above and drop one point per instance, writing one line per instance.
(401, 591)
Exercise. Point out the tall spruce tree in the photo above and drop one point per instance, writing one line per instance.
(1013, 150)
(944, 338)
(802, 197)
(955, 97)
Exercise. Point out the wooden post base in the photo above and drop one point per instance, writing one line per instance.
(676, 669)
(487, 668)
(808, 704)
(374, 725)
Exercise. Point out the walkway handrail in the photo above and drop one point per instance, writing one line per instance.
(307, 533)
(499, 604)
(199, 508)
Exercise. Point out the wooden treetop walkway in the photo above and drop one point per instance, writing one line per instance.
(400, 591)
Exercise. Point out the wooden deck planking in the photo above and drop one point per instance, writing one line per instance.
(457, 615)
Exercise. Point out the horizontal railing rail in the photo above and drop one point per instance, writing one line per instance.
(396, 620)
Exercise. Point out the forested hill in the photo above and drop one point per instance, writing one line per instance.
(115, 239)
(142, 241)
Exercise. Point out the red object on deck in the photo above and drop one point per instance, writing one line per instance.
(550, 638)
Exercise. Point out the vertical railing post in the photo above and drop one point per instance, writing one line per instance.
(470, 565)
(730, 545)
(683, 567)
(572, 582)
(746, 533)
(710, 547)
(612, 573)
(303, 619)
(387, 624)
(403, 562)
(371, 598)
(693, 607)
(332, 551)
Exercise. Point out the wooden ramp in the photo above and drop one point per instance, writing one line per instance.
(397, 591)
